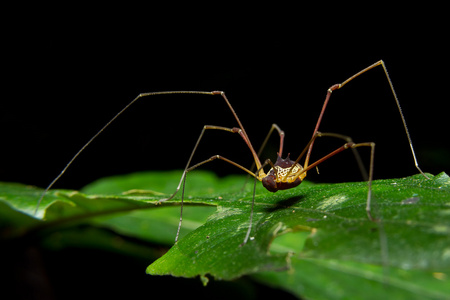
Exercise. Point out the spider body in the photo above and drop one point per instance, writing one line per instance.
(283, 175)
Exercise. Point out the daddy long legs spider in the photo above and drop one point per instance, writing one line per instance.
(284, 173)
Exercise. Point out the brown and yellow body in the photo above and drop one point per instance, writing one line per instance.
(283, 175)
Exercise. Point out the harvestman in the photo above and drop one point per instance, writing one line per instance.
(284, 173)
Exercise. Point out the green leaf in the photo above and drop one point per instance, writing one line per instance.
(414, 226)
(314, 241)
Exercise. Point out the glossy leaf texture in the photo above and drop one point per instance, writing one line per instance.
(314, 241)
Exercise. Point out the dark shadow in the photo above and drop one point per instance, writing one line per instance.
(286, 203)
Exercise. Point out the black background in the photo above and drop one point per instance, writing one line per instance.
(66, 86)
(66, 76)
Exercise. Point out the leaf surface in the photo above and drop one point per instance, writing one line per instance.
(315, 240)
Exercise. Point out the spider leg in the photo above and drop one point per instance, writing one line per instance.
(103, 129)
(280, 133)
(239, 130)
(349, 145)
(358, 159)
(263, 145)
(249, 230)
(340, 85)
(189, 168)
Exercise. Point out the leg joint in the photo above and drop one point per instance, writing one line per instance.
(349, 145)
(334, 87)
(217, 92)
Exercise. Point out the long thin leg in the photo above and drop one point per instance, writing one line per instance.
(336, 135)
(241, 132)
(280, 133)
(183, 182)
(338, 86)
(280, 153)
(263, 145)
(349, 145)
(358, 159)
(103, 129)
(189, 168)
(234, 164)
(249, 229)
(188, 164)
(244, 134)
